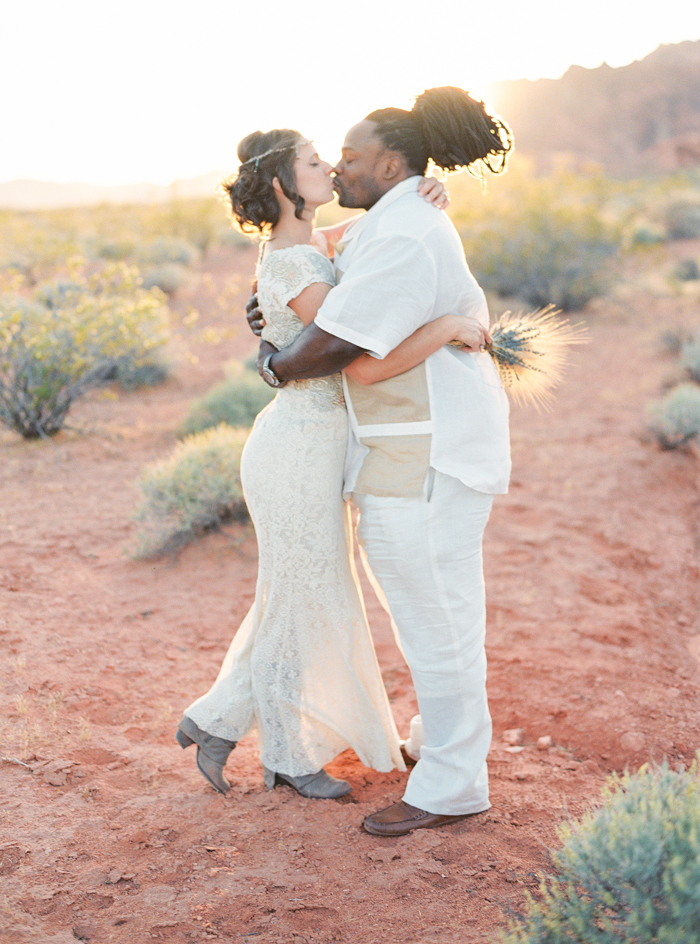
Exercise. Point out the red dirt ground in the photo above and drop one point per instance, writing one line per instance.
(111, 835)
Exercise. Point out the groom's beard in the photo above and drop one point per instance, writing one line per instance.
(353, 201)
(342, 196)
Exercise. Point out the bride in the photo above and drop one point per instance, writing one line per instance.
(301, 669)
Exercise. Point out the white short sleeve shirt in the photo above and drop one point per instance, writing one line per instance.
(401, 266)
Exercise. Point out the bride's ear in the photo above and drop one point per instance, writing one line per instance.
(277, 186)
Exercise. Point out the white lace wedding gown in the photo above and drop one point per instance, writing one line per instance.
(302, 668)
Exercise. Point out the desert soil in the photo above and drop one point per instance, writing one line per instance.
(107, 831)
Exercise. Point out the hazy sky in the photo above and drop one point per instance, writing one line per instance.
(148, 90)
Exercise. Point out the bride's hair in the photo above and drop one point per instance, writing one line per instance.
(263, 156)
(448, 126)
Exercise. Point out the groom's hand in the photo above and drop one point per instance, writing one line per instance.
(254, 317)
(264, 350)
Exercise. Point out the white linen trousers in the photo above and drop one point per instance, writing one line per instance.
(424, 559)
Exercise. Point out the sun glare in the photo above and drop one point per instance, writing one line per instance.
(165, 91)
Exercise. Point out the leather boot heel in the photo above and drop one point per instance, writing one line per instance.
(182, 739)
(212, 752)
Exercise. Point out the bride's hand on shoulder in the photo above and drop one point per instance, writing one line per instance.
(434, 191)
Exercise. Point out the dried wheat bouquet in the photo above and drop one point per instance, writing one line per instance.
(531, 351)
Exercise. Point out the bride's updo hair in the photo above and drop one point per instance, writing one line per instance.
(264, 156)
(448, 126)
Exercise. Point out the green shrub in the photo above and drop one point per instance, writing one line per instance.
(690, 358)
(646, 234)
(115, 250)
(558, 258)
(686, 270)
(675, 420)
(169, 249)
(550, 241)
(197, 221)
(234, 239)
(134, 374)
(673, 339)
(168, 277)
(628, 872)
(71, 336)
(194, 491)
(33, 246)
(682, 218)
(236, 401)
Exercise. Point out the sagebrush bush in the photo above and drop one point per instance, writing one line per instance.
(550, 242)
(234, 239)
(115, 250)
(71, 336)
(690, 358)
(179, 231)
(168, 249)
(646, 234)
(628, 872)
(682, 218)
(675, 420)
(686, 270)
(168, 277)
(236, 401)
(194, 491)
(134, 374)
(32, 244)
(673, 339)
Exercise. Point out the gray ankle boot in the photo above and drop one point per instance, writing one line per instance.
(320, 786)
(212, 752)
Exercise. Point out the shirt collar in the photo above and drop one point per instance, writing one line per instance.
(355, 228)
(406, 186)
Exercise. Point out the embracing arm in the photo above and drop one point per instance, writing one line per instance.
(421, 344)
(315, 353)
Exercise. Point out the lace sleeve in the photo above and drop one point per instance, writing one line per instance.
(285, 273)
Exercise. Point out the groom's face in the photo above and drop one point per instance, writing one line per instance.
(359, 175)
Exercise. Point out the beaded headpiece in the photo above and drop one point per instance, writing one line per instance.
(288, 147)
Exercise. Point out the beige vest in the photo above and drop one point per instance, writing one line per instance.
(399, 459)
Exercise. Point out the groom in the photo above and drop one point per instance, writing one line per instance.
(428, 451)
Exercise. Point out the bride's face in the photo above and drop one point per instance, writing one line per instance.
(313, 179)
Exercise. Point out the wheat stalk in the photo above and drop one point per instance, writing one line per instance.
(531, 351)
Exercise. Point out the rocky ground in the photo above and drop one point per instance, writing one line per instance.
(107, 831)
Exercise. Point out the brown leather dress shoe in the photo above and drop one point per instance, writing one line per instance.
(402, 818)
(407, 759)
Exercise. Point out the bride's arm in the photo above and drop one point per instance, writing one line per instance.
(309, 300)
(421, 344)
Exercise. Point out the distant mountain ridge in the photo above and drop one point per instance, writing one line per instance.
(644, 116)
(41, 195)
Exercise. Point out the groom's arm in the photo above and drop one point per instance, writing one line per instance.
(315, 353)
(395, 275)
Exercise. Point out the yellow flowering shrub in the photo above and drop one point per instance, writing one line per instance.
(66, 337)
